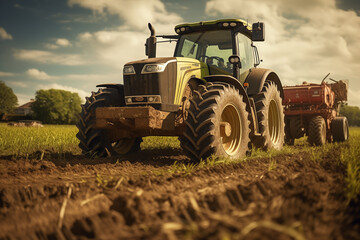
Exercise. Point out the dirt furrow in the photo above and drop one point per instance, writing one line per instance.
(288, 197)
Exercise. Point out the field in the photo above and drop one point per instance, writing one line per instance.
(49, 191)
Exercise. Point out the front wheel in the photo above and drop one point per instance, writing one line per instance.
(270, 115)
(94, 142)
(217, 123)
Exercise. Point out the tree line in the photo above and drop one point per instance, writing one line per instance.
(352, 113)
(53, 106)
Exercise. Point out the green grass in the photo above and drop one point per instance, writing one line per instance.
(23, 141)
(57, 139)
(350, 157)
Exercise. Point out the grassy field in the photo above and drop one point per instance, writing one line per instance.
(59, 140)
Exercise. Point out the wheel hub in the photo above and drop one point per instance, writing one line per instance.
(231, 129)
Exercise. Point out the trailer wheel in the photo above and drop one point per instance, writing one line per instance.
(317, 131)
(270, 115)
(340, 129)
(295, 128)
(289, 140)
(217, 123)
(93, 142)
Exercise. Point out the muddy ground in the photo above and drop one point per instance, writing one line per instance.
(144, 197)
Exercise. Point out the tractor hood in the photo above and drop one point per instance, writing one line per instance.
(161, 78)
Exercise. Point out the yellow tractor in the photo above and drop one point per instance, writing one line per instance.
(211, 94)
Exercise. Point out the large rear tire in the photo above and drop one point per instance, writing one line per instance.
(340, 129)
(93, 142)
(317, 131)
(217, 123)
(270, 114)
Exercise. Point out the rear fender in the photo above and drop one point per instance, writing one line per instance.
(257, 78)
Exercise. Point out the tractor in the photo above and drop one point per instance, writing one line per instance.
(312, 109)
(211, 94)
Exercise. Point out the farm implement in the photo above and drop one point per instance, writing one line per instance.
(313, 110)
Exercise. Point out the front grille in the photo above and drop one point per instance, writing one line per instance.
(163, 83)
(141, 84)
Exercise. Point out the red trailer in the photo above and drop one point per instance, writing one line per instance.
(313, 110)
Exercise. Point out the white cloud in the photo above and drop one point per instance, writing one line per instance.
(23, 98)
(136, 14)
(81, 93)
(58, 42)
(117, 47)
(63, 42)
(6, 74)
(304, 40)
(37, 74)
(111, 77)
(17, 84)
(4, 35)
(49, 57)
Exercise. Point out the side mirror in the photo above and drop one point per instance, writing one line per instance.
(258, 32)
(235, 60)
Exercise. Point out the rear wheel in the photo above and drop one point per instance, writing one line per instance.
(317, 131)
(217, 123)
(270, 115)
(94, 142)
(340, 129)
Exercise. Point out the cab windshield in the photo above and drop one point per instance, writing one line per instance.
(212, 47)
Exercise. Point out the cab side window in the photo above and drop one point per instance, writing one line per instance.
(246, 55)
(189, 49)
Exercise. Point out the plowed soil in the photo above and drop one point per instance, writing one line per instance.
(143, 197)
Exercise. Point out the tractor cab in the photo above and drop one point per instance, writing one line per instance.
(224, 47)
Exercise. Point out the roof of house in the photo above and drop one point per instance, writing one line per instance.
(26, 105)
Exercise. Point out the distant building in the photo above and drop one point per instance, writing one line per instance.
(25, 109)
(23, 112)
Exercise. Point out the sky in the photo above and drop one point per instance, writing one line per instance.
(76, 44)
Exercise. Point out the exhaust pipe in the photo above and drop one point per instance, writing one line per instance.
(150, 45)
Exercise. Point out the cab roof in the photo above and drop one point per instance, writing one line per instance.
(240, 24)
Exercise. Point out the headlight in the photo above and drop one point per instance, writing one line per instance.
(128, 70)
(153, 68)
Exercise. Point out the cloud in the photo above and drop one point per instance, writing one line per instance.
(63, 42)
(59, 42)
(81, 93)
(116, 47)
(110, 77)
(304, 40)
(23, 98)
(134, 13)
(125, 43)
(4, 35)
(37, 74)
(49, 57)
(7, 74)
(18, 84)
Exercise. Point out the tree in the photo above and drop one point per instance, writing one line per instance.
(8, 100)
(56, 106)
(352, 113)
